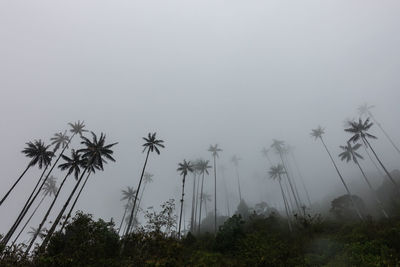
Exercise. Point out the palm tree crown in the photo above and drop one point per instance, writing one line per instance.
(77, 128)
(318, 132)
(364, 109)
(214, 150)
(275, 172)
(359, 129)
(235, 160)
(128, 194)
(278, 145)
(203, 166)
(73, 164)
(349, 152)
(95, 151)
(152, 144)
(185, 167)
(148, 177)
(60, 140)
(50, 187)
(39, 153)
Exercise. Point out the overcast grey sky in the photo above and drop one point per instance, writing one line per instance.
(236, 73)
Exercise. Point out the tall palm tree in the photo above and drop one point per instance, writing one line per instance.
(95, 153)
(365, 110)
(235, 160)
(39, 154)
(192, 216)
(147, 178)
(360, 132)
(184, 168)
(73, 166)
(214, 151)
(128, 195)
(151, 144)
(279, 147)
(350, 153)
(49, 189)
(317, 134)
(60, 140)
(222, 170)
(203, 168)
(276, 173)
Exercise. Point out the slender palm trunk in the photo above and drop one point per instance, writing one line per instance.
(373, 162)
(383, 166)
(136, 195)
(301, 178)
(372, 190)
(201, 201)
(226, 193)
(15, 184)
(238, 182)
(193, 203)
(286, 206)
(197, 201)
(290, 183)
(75, 201)
(29, 219)
(385, 133)
(205, 205)
(140, 200)
(123, 218)
(47, 213)
(215, 195)
(60, 214)
(342, 179)
(180, 217)
(291, 173)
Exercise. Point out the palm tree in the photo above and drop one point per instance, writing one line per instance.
(127, 195)
(235, 160)
(73, 166)
(222, 170)
(365, 110)
(49, 189)
(192, 216)
(276, 173)
(147, 178)
(360, 131)
(317, 134)
(214, 151)
(203, 168)
(39, 154)
(60, 140)
(206, 198)
(94, 154)
(151, 144)
(279, 147)
(350, 153)
(184, 168)
(36, 232)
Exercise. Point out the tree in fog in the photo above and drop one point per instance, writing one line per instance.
(203, 168)
(128, 196)
(235, 161)
(214, 151)
(184, 168)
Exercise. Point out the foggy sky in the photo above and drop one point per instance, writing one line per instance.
(236, 73)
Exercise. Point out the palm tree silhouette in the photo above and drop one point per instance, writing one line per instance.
(184, 168)
(49, 189)
(73, 166)
(147, 178)
(350, 153)
(39, 154)
(94, 154)
(279, 147)
(360, 132)
(317, 134)
(192, 215)
(203, 169)
(235, 160)
(36, 232)
(276, 173)
(60, 140)
(222, 170)
(365, 110)
(151, 144)
(214, 151)
(127, 195)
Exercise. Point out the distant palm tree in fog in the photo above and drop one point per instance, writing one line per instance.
(317, 134)
(147, 178)
(222, 169)
(203, 167)
(128, 195)
(214, 151)
(350, 153)
(184, 168)
(276, 173)
(360, 132)
(235, 161)
(151, 144)
(365, 110)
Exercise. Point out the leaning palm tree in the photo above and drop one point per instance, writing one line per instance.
(94, 153)
(184, 168)
(350, 153)
(235, 160)
(151, 144)
(60, 140)
(214, 151)
(49, 189)
(128, 195)
(73, 166)
(317, 134)
(203, 169)
(279, 147)
(360, 132)
(39, 154)
(365, 110)
(276, 173)
(147, 178)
